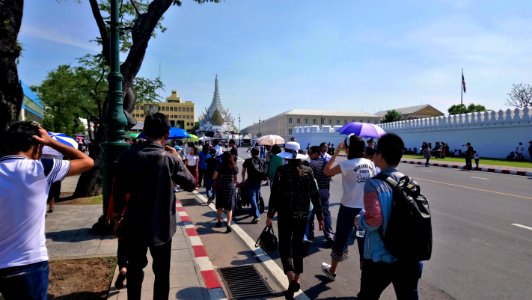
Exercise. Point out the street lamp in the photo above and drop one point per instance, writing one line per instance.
(259, 129)
(114, 120)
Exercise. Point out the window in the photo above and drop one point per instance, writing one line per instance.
(298, 121)
(289, 120)
(330, 121)
(289, 131)
(337, 121)
(306, 121)
(314, 121)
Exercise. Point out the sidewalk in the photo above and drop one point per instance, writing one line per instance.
(68, 236)
(483, 168)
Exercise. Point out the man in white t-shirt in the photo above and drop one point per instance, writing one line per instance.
(355, 171)
(25, 180)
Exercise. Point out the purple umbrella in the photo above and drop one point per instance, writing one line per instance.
(362, 129)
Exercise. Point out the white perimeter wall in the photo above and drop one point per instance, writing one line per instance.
(492, 134)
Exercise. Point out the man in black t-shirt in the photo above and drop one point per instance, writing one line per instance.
(253, 183)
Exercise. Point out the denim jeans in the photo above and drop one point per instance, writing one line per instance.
(254, 190)
(376, 276)
(208, 185)
(344, 228)
(137, 261)
(327, 220)
(25, 282)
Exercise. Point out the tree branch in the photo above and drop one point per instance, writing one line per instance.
(104, 34)
(142, 32)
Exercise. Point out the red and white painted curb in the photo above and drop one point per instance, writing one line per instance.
(210, 278)
(493, 170)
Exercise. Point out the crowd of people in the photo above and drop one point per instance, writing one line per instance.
(144, 204)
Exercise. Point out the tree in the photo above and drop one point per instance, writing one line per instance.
(10, 90)
(140, 20)
(462, 109)
(391, 116)
(520, 95)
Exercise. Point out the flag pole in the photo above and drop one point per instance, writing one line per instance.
(462, 89)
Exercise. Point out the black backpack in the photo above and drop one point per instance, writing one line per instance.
(258, 169)
(408, 235)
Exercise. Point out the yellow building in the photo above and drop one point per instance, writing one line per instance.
(181, 114)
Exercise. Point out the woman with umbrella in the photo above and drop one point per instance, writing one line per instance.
(356, 170)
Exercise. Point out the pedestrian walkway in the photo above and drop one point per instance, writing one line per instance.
(483, 167)
(68, 236)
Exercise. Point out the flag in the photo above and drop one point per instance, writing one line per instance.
(463, 82)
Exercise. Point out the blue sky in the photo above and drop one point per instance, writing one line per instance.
(275, 55)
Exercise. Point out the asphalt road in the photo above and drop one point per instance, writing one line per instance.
(482, 226)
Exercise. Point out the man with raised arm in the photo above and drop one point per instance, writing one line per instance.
(25, 180)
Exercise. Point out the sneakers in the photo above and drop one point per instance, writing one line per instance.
(255, 220)
(210, 201)
(325, 267)
(229, 229)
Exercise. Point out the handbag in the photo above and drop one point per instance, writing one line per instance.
(267, 240)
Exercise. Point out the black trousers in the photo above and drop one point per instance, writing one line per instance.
(291, 231)
(376, 276)
(137, 261)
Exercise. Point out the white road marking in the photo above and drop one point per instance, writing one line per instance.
(522, 226)
(483, 178)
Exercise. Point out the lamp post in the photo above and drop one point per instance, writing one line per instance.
(239, 135)
(259, 135)
(114, 120)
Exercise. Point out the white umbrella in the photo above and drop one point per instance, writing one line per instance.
(270, 140)
(62, 138)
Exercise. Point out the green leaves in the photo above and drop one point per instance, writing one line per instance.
(462, 109)
(391, 116)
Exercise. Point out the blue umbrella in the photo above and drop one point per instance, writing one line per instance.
(362, 129)
(178, 133)
(175, 134)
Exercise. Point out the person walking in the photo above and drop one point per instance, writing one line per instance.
(203, 155)
(192, 162)
(426, 150)
(293, 189)
(25, 179)
(226, 176)
(380, 267)
(356, 170)
(469, 156)
(147, 172)
(255, 168)
(274, 163)
(212, 165)
(317, 163)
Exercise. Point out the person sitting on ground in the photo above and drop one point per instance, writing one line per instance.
(25, 180)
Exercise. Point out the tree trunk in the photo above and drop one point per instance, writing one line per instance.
(11, 95)
(90, 183)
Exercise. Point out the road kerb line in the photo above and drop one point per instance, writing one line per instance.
(475, 189)
(265, 259)
(522, 226)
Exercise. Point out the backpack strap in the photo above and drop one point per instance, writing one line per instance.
(388, 179)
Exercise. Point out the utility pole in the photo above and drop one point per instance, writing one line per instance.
(239, 134)
(259, 135)
(114, 120)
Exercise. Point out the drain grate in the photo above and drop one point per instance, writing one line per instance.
(188, 201)
(244, 282)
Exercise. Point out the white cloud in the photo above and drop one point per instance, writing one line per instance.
(53, 36)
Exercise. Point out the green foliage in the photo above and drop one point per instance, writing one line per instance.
(67, 93)
(462, 109)
(195, 127)
(146, 89)
(391, 116)
(217, 118)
